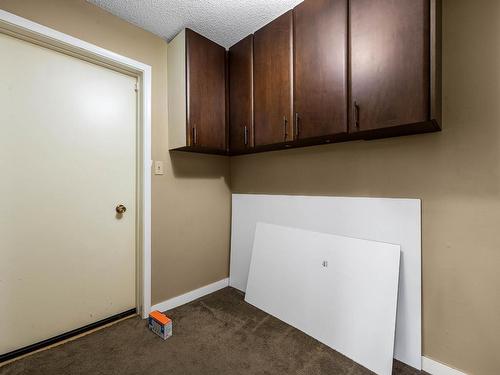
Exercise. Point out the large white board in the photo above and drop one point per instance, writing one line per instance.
(341, 291)
(388, 220)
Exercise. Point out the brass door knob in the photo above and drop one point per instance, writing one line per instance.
(121, 209)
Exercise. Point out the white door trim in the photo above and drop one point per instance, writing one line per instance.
(39, 34)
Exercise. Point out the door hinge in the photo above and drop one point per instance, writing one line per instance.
(136, 87)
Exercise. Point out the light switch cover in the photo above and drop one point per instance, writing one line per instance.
(158, 167)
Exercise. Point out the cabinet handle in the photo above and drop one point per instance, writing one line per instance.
(285, 127)
(297, 128)
(245, 135)
(195, 136)
(356, 114)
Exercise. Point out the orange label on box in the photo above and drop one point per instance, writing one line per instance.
(159, 317)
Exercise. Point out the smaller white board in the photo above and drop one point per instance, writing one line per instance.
(342, 291)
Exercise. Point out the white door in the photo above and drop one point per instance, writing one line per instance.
(67, 159)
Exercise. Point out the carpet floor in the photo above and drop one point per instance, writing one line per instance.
(219, 334)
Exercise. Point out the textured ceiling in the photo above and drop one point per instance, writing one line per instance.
(223, 21)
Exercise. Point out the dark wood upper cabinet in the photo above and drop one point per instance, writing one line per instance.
(241, 95)
(206, 88)
(390, 65)
(273, 59)
(320, 64)
(196, 69)
(326, 71)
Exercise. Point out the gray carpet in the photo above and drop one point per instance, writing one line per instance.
(217, 334)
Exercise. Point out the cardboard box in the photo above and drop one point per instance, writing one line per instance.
(160, 324)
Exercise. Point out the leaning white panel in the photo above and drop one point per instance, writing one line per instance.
(341, 291)
(378, 219)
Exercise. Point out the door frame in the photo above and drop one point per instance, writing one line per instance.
(21, 28)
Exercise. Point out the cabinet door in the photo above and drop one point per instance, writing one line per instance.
(390, 63)
(241, 95)
(320, 64)
(206, 92)
(273, 57)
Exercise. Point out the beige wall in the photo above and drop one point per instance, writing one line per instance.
(191, 202)
(456, 173)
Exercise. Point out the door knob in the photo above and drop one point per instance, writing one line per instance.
(121, 209)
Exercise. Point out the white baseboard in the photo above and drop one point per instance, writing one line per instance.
(191, 296)
(437, 368)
